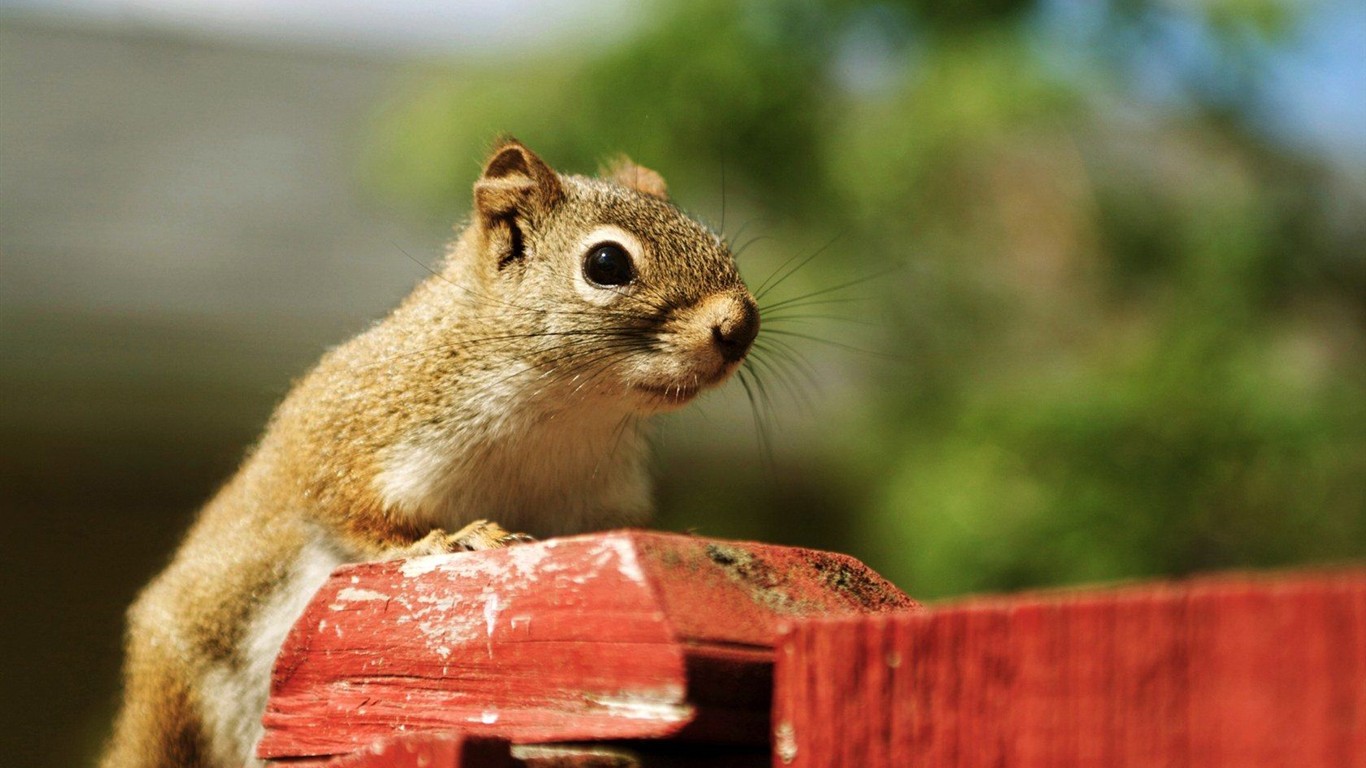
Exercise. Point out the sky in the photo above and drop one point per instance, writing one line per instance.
(1320, 84)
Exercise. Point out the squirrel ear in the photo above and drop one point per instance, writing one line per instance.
(637, 177)
(515, 179)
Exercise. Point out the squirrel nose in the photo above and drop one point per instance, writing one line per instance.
(734, 333)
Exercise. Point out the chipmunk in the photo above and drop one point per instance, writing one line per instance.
(512, 385)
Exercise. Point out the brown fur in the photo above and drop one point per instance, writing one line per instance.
(505, 387)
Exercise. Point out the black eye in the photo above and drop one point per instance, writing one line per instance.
(608, 264)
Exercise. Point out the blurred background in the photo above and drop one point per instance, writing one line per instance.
(1057, 291)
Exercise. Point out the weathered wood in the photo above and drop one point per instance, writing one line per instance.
(1231, 671)
(424, 750)
(627, 635)
(449, 749)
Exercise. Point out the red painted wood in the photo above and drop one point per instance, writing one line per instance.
(626, 635)
(424, 750)
(450, 749)
(1228, 671)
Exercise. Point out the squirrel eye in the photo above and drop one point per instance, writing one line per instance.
(608, 264)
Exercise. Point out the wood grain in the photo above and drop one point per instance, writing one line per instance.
(1230, 671)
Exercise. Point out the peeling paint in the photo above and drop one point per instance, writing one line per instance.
(785, 742)
(360, 595)
(443, 635)
(662, 706)
(490, 620)
(627, 563)
(526, 559)
(419, 566)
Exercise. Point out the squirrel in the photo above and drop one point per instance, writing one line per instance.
(514, 384)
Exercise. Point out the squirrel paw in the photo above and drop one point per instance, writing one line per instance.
(478, 535)
(481, 535)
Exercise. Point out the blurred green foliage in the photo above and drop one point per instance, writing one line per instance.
(1124, 329)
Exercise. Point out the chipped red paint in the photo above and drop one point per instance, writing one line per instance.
(626, 635)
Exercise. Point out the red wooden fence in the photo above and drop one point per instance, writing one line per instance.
(1226, 671)
(645, 649)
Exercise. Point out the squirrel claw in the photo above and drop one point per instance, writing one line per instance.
(477, 536)
(484, 534)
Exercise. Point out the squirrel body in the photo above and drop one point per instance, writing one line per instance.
(513, 385)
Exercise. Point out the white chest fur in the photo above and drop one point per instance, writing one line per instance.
(545, 471)
(235, 695)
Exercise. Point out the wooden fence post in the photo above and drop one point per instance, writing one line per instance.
(626, 635)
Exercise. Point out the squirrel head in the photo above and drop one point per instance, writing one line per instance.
(616, 291)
